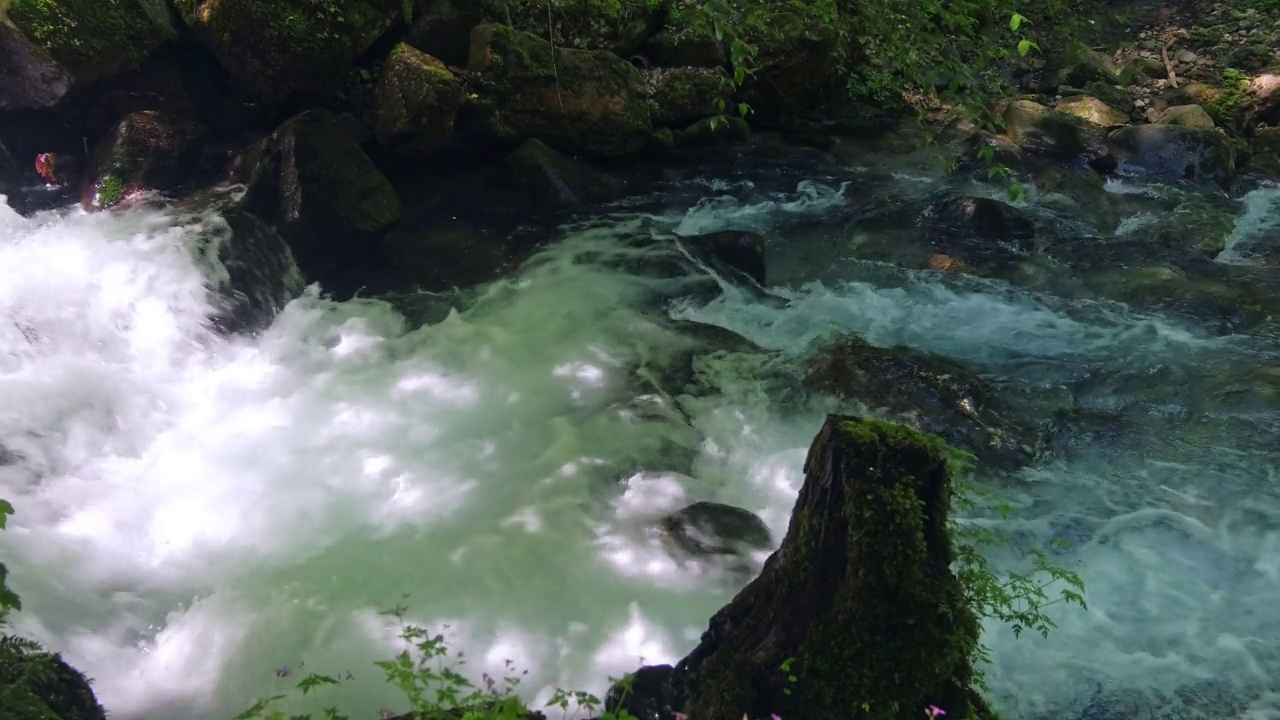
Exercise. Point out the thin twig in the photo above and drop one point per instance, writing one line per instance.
(551, 35)
(1168, 66)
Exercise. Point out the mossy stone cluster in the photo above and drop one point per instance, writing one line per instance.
(588, 101)
(859, 602)
(288, 51)
(92, 38)
(415, 103)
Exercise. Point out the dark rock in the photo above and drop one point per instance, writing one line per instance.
(1174, 152)
(145, 151)
(1265, 92)
(1252, 57)
(47, 47)
(796, 63)
(687, 45)
(709, 528)
(648, 694)
(442, 27)
(261, 276)
(554, 179)
(736, 249)
(437, 254)
(416, 103)
(323, 193)
(1265, 151)
(1077, 69)
(870, 524)
(928, 393)
(574, 100)
(1140, 69)
(679, 96)
(980, 231)
(284, 52)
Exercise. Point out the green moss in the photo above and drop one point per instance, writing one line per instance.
(90, 38)
(110, 191)
(861, 595)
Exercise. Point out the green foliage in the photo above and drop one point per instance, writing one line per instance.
(1019, 600)
(8, 599)
(1235, 92)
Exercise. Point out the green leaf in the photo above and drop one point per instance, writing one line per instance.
(1024, 47)
(5, 511)
(1016, 21)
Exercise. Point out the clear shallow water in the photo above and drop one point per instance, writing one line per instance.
(196, 511)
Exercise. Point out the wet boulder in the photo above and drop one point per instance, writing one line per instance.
(710, 528)
(324, 195)
(441, 253)
(862, 580)
(687, 45)
(981, 232)
(926, 392)
(1092, 110)
(145, 151)
(1175, 152)
(586, 101)
(443, 27)
(554, 179)
(415, 103)
(713, 131)
(285, 52)
(1041, 130)
(47, 47)
(680, 96)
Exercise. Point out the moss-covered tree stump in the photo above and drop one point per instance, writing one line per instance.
(859, 601)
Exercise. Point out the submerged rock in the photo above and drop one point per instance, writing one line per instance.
(1176, 153)
(980, 232)
(415, 104)
(710, 528)
(552, 178)
(323, 193)
(144, 151)
(928, 393)
(574, 100)
(859, 600)
(288, 51)
(739, 250)
(47, 47)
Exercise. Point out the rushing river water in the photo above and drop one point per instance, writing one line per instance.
(196, 511)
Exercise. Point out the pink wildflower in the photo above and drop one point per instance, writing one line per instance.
(933, 711)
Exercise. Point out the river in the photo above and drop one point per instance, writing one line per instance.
(197, 511)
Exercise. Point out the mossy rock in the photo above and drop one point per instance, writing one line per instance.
(859, 601)
(710, 528)
(325, 196)
(1192, 116)
(680, 96)
(52, 45)
(283, 52)
(556, 180)
(714, 131)
(588, 101)
(415, 103)
(1139, 70)
(443, 27)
